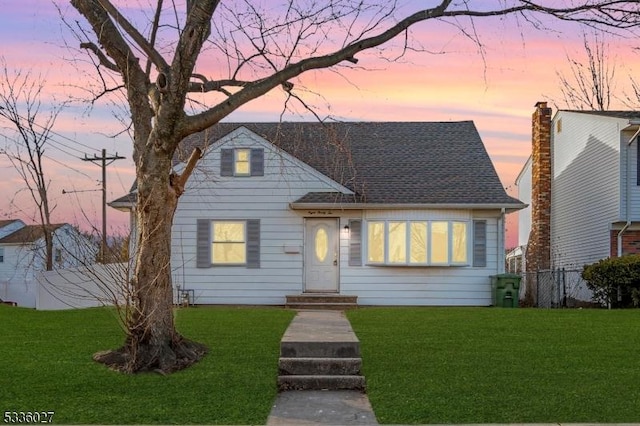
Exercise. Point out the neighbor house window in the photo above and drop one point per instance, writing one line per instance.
(228, 243)
(1, 254)
(418, 242)
(57, 255)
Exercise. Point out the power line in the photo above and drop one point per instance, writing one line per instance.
(49, 130)
(55, 144)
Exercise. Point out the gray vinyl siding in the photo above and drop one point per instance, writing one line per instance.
(524, 194)
(266, 198)
(585, 188)
(631, 178)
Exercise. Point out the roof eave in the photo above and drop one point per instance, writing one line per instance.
(122, 206)
(509, 207)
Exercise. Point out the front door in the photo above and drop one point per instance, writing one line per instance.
(321, 255)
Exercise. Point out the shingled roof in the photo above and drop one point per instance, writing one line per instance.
(417, 163)
(28, 234)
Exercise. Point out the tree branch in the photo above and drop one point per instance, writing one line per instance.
(178, 181)
(104, 61)
(148, 49)
(602, 13)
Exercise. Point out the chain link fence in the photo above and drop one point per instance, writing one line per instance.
(557, 288)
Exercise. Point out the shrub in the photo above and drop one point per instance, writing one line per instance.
(615, 281)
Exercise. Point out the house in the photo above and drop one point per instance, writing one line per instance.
(395, 213)
(582, 182)
(22, 257)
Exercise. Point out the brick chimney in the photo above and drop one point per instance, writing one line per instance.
(538, 256)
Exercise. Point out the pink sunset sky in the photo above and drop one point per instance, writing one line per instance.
(497, 90)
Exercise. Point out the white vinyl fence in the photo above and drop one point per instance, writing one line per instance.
(19, 290)
(85, 287)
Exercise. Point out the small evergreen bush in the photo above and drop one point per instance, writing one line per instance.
(615, 281)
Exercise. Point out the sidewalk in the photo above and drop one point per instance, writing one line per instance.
(320, 407)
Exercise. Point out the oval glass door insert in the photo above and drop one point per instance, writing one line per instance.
(322, 244)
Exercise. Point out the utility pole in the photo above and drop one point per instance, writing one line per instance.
(102, 161)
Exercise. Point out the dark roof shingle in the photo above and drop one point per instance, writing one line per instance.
(385, 162)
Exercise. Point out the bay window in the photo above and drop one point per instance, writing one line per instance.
(419, 243)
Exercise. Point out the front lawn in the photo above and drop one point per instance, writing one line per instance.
(491, 365)
(46, 365)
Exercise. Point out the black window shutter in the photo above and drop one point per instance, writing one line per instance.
(480, 243)
(226, 162)
(355, 243)
(253, 243)
(203, 243)
(257, 162)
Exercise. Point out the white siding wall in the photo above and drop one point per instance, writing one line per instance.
(630, 178)
(267, 198)
(585, 187)
(524, 195)
(210, 196)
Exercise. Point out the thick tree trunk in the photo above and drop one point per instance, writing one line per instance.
(153, 344)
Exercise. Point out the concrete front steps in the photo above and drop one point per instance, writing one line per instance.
(328, 301)
(320, 351)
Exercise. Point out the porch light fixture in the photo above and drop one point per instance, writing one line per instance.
(346, 227)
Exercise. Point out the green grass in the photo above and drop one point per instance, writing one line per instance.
(481, 365)
(46, 365)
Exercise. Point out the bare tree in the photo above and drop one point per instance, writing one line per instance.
(591, 82)
(30, 128)
(259, 47)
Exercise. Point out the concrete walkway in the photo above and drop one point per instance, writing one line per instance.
(320, 407)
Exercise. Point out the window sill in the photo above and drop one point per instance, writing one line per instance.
(420, 265)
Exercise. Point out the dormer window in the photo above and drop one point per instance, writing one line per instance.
(242, 162)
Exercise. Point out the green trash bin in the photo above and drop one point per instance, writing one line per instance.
(505, 289)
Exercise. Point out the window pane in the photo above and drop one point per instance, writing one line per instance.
(397, 242)
(229, 253)
(322, 245)
(228, 231)
(459, 252)
(439, 242)
(242, 155)
(229, 244)
(418, 248)
(242, 166)
(375, 249)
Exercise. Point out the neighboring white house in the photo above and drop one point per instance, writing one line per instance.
(22, 257)
(592, 203)
(396, 213)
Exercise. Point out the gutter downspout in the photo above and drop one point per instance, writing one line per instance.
(501, 237)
